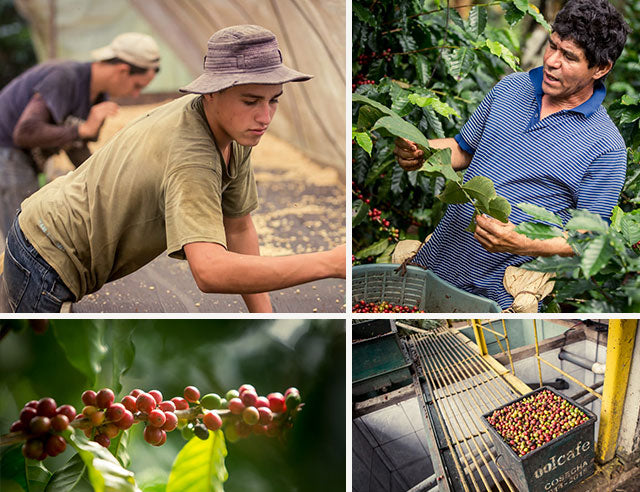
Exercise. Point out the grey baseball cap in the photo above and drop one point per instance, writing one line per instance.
(241, 55)
(132, 47)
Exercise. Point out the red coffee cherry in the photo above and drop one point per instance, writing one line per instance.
(47, 407)
(163, 439)
(242, 428)
(153, 435)
(167, 406)
(171, 422)
(103, 440)
(180, 403)
(110, 430)
(39, 425)
(192, 394)
(145, 402)
(59, 423)
(212, 420)
(263, 401)
(246, 387)
(157, 418)
(68, 411)
(32, 404)
(26, 414)
(33, 449)
(157, 396)
(249, 398)
(236, 406)
(266, 415)
(259, 429)
(136, 392)
(55, 445)
(276, 402)
(115, 412)
(89, 398)
(126, 421)
(129, 402)
(17, 426)
(104, 398)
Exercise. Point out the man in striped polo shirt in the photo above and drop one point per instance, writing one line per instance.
(542, 137)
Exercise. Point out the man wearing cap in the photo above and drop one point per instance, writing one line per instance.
(60, 106)
(177, 179)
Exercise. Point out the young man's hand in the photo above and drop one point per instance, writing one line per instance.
(408, 155)
(98, 113)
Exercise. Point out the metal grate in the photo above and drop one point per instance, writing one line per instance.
(464, 386)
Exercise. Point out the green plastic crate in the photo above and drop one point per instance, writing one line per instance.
(417, 287)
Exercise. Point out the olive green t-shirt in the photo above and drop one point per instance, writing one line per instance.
(158, 184)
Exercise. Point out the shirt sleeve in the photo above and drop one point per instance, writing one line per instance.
(602, 183)
(193, 208)
(240, 198)
(58, 91)
(471, 132)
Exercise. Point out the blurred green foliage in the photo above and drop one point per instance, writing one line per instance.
(16, 49)
(214, 355)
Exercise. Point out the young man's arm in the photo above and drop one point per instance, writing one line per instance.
(410, 157)
(217, 270)
(242, 238)
(500, 237)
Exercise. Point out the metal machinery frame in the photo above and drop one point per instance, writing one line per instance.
(462, 381)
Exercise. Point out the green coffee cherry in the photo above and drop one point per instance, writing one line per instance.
(231, 394)
(210, 401)
(187, 432)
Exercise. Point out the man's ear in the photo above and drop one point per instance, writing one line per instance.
(603, 70)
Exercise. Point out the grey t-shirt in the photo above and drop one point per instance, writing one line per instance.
(65, 87)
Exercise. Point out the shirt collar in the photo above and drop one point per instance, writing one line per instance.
(587, 108)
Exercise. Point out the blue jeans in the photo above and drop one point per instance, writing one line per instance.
(31, 285)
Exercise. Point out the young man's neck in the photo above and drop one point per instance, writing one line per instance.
(100, 73)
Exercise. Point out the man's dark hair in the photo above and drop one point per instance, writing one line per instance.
(594, 25)
(133, 69)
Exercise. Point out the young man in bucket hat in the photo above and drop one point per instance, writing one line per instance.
(177, 179)
(60, 105)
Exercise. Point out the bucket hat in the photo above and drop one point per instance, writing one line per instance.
(240, 55)
(132, 47)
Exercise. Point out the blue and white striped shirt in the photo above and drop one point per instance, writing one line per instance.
(574, 158)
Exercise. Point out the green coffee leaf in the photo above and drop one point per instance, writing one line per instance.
(460, 62)
(363, 139)
(499, 208)
(374, 249)
(123, 352)
(199, 467)
(397, 127)
(359, 211)
(72, 477)
(82, 342)
(104, 471)
(596, 255)
(534, 12)
(512, 14)
(540, 213)
(538, 231)
(24, 474)
(500, 50)
(430, 101)
(367, 117)
(453, 193)
(584, 220)
(522, 5)
(477, 21)
(481, 189)
(120, 448)
(385, 257)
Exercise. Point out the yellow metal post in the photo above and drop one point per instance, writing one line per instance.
(480, 341)
(620, 343)
(535, 333)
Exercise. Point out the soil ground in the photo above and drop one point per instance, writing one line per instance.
(302, 209)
